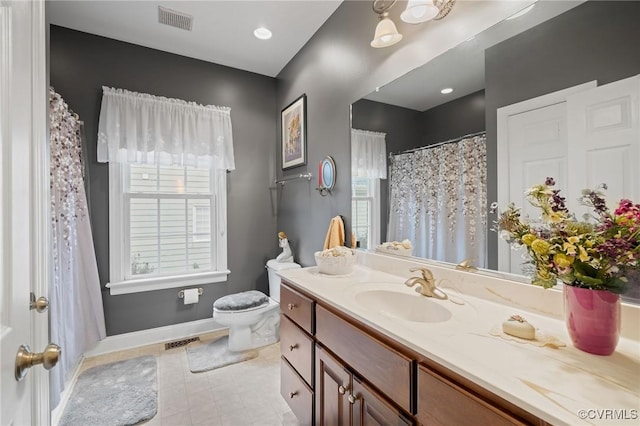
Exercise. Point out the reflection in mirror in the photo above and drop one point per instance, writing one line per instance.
(555, 46)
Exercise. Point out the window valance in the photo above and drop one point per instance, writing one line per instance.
(368, 154)
(138, 128)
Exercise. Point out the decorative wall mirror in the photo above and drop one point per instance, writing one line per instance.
(327, 175)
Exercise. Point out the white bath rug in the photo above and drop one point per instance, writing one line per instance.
(120, 393)
(215, 354)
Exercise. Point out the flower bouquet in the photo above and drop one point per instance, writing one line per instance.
(592, 254)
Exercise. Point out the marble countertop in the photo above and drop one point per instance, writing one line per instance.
(563, 386)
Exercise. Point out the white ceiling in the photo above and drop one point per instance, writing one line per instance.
(222, 30)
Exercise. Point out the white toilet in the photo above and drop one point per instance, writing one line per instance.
(252, 317)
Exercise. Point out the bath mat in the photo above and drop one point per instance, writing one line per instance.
(215, 354)
(120, 393)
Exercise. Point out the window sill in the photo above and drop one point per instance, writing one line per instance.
(161, 283)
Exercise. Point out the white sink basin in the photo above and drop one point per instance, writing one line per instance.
(405, 306)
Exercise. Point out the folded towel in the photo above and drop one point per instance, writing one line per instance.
(335, 234)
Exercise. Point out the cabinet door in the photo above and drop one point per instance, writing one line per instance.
(370, 409)
(333, 386)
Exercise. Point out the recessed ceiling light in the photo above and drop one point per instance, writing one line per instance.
(446, 91)
(522, 12)
(262, 33)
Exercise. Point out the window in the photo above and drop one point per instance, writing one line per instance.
(163, 230)
(365, 211)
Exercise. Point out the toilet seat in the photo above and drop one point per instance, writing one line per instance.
(240, 302)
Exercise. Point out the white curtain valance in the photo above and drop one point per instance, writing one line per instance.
(368, 154)
(140, 128)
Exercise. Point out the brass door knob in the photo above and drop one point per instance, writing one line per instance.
(25, 359)
(41, 304)
(342, 390)
(352, 399)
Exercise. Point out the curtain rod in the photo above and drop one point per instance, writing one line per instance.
(408, 151)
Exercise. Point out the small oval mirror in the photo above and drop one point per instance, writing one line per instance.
(328, 173)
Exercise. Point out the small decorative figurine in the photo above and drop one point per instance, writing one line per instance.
(286, 256)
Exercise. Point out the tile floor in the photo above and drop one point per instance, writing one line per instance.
(243, 394)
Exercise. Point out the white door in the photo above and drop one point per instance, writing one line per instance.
(24, 207)
(537, 149)
(532, 145)
(604, 140)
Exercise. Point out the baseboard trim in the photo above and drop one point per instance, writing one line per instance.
(56, 413)
(135, 339)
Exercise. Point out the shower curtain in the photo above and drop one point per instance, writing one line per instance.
(438, 200)
(76, 312)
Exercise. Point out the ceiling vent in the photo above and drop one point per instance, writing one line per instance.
(175, 18)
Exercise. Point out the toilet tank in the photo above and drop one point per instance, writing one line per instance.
(274, 266)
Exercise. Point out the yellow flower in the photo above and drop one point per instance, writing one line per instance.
(562, 260)
(573, 240)
(543, 273)
(540, 247)
(583, 254)
(527, 239)
(569, 248)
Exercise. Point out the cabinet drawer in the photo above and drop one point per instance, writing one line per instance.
(297, 307)
(383, 367)
(297, 348)
(296, 393)
(443, 402)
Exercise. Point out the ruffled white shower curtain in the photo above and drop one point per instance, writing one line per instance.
(438, 200)
(76, 312)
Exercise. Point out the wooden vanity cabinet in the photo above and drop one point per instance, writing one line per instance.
(297, 349)
(337, 371)
(343, 399)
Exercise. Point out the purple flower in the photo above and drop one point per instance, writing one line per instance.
(549, 181)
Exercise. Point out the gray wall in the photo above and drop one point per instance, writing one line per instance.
(462, 116)
(594, 41)
(80, 65)
(336, 68)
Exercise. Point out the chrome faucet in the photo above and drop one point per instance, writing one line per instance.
(426, 284)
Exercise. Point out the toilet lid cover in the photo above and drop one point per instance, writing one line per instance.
(239, 301)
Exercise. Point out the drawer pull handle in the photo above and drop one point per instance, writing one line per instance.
(342, 390)
(292, 394)
(292, 347)
(290, 306)
(352, 399)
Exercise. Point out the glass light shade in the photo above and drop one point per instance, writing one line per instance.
(386, 34)
(418, 11)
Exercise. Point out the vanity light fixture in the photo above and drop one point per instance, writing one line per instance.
(417, 11)
(262, 33)
(446, 90)
(386, 32)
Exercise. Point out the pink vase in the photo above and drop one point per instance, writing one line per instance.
(593, 319)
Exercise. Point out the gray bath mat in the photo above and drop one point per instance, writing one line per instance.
(120, 393)
(215, 354)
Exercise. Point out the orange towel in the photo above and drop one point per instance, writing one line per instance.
(335, 234)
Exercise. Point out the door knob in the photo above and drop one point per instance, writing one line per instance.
(41, 304)
(352, 399)
(342, 390)
(26, 359)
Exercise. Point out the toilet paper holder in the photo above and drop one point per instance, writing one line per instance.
(181, 293)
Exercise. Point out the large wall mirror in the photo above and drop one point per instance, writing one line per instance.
(553, 46)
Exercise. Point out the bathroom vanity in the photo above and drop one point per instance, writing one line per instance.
(359, 350)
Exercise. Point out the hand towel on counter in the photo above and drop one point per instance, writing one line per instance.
(335, 234)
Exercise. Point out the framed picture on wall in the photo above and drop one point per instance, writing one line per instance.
(294, 133)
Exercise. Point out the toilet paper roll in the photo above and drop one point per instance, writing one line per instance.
(191, 296)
